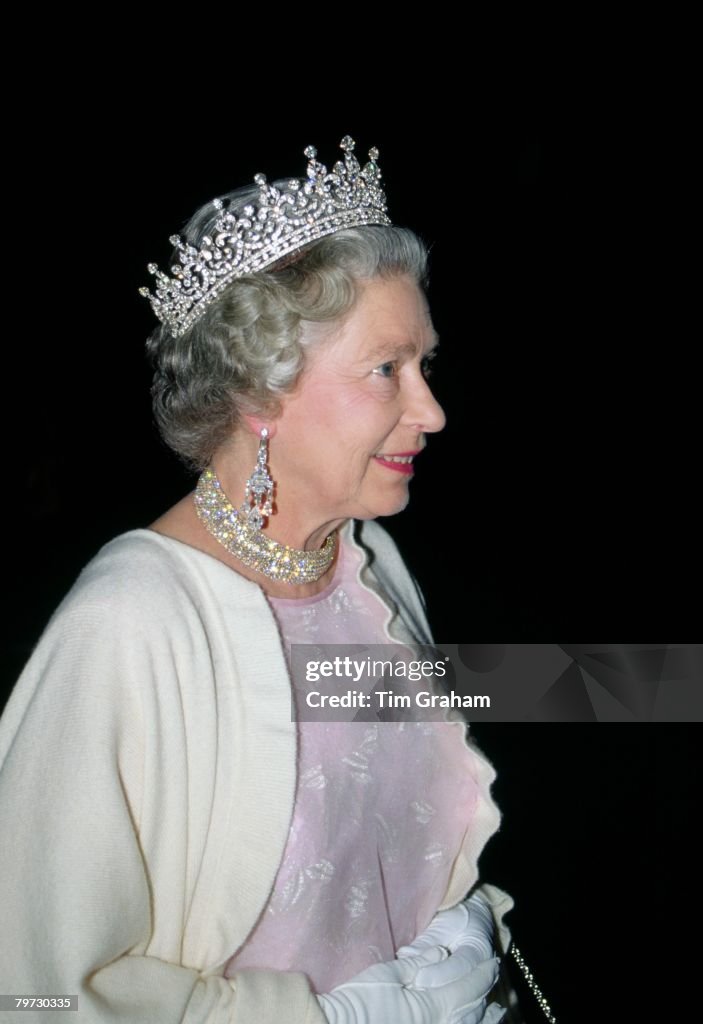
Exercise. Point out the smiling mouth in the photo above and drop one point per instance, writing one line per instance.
(402, 463)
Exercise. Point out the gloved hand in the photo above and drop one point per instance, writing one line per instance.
(466, 929)
(389, 992)
(494, 1014)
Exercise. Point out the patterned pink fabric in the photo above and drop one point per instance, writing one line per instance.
(380, 815)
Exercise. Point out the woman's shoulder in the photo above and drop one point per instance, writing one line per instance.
(142, 559)
(142, 577)
(133, 553)
(129, 567)
(143, 600)
(118, 620)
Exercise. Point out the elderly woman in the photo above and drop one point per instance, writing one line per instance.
(181, 849)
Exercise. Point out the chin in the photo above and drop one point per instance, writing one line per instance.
(382, 504)
(393, 508)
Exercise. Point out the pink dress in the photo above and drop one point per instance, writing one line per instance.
(380, 814)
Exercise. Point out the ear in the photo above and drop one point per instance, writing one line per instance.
(255, 423)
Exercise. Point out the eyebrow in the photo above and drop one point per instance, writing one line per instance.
(390, 347)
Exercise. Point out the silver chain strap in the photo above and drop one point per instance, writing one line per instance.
(535, 989)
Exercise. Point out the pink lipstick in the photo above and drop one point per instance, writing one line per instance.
(401, 462)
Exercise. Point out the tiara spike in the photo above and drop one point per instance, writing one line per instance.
(283, 221)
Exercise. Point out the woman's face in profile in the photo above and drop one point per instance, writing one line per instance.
(346, 437)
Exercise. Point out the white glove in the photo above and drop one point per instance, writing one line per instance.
(385, 993)
(494, 1014)
(466, 929)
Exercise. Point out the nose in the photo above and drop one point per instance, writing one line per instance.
(423, 412)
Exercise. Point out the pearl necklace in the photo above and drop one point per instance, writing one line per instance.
(232, 528)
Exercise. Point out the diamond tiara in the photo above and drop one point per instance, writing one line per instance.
(280, 223)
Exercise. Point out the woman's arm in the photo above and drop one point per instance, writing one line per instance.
(82, 914)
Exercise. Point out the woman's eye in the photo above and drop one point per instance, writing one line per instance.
(426, 366)
(386, 369)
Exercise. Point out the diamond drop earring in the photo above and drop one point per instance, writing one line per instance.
(258, 497)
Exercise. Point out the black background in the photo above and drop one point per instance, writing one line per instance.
(558, 499)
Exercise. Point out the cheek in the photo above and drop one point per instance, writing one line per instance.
(340, 403)
(351, 414)
(340, 425)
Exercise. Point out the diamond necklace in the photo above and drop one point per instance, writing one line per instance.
(231, 527)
